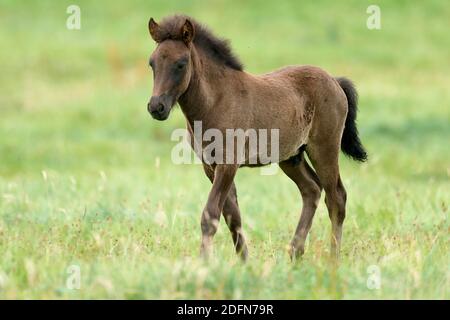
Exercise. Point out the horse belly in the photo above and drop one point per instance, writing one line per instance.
(281, 140)
(290, 143)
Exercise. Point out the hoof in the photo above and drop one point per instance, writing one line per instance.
(296, 253)
(243, 254)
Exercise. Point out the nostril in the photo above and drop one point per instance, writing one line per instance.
(160, 108)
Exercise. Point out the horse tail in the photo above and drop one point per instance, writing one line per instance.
(351, 144)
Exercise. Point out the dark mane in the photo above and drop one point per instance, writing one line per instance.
(217, 48)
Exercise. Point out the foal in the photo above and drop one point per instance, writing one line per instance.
(314, 113)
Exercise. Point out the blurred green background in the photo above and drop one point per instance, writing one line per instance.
(86, 178)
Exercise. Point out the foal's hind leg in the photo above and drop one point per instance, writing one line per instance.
(308, 183)
(324, 158)
(232, 216)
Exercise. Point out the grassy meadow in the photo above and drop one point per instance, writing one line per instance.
(87, 182)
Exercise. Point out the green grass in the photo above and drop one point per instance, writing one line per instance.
(86, 177)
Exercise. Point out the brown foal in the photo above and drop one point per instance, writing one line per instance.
(313, 112)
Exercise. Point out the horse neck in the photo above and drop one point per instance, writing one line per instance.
(204, 90)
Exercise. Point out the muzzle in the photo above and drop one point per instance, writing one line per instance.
(159, 107)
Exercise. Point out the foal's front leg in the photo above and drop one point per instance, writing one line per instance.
(223, 179)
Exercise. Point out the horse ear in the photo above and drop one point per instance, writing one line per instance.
(153, 28)
(187, 32)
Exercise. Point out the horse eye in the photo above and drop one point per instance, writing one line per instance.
(180, 64)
